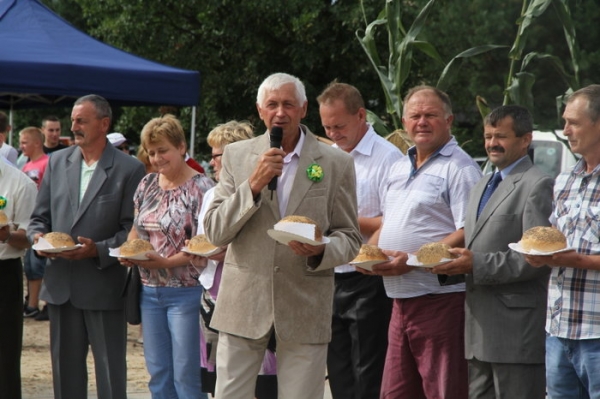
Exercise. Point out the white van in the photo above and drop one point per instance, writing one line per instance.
(550, 154)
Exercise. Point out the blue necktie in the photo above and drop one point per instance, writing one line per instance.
(489, 190)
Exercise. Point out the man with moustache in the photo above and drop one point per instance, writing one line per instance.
(505, 296)
(572, 322)
(426, 201)
(87, 192)
(268, 288)
(361, 308)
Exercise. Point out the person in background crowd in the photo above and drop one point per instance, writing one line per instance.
(17, 199)
(192, 163)
(51, 129)
(6, 150)
(167, 204)
(266, 383)
(31, 141)
(287, 289)
(119, 141)
(361, 308)
(143, 157)
(426, 201)
(87, 193)
(505, 315)
(572, 325)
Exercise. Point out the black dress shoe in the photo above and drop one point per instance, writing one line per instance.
(43, 315)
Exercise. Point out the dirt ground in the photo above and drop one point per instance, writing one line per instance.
(36, 370)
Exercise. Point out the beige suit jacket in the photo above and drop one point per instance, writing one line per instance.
(264, 284)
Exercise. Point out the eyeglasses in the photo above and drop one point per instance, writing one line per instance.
(215, 156)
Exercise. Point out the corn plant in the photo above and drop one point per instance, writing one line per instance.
(519, 83)
(401, 44)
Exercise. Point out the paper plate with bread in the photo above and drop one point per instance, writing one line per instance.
(55, 242)
(297, 228)
(199, 245)
(431, 255)
(135, 249)
(369, 256)
(541, 240)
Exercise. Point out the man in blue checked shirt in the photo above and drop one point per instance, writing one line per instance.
(573, 317)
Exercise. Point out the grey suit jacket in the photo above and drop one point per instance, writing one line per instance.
(506, 297)
(264, 283)
(105, 215)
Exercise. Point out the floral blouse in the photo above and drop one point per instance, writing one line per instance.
(167, 218)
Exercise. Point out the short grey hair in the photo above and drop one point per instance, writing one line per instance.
(443, 96)
(101, 106)
(275, 81)
(592, 94)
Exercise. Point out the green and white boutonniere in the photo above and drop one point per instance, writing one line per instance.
(315, 172)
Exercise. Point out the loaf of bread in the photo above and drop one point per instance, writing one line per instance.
(200, 244)
(3, 218)
(543, 239)
(369, 252)
(59, 240)
(135, 247)
(303, 219)
(434, 252)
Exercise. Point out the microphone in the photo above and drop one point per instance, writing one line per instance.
(275, 137)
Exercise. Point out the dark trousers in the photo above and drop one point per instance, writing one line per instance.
(11, 332)
(356, 353)
(72, 332)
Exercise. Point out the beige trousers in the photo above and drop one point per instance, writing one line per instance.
(300, 368)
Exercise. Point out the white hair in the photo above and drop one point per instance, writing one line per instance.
(275, 82)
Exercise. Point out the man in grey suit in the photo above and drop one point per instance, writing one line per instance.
(505, 296)
(87, 192)
(270, 288)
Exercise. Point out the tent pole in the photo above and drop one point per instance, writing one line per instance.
(10, 123)
(193, 132)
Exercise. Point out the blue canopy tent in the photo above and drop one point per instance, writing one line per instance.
(44, 60)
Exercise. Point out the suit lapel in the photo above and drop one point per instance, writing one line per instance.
(506, 187)
(309, 155)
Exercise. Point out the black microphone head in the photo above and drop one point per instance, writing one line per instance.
(275, 136)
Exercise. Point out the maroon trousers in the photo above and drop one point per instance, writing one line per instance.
(426, 355)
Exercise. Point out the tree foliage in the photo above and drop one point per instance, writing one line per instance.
(236, 44)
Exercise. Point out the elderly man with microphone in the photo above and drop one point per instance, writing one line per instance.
(268, 288)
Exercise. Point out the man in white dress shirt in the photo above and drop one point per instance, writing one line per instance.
(361, 308)
(17, 199)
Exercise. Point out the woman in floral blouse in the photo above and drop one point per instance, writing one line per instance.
(167, 204)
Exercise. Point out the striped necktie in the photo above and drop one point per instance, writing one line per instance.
(489, 190)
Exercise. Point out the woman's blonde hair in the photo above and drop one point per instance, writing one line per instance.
(229, 132)
(167, 128)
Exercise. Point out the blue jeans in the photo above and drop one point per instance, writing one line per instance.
(172, 341)
(34, 266)
(572, 368)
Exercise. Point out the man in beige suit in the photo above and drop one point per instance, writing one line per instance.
(267, 287)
